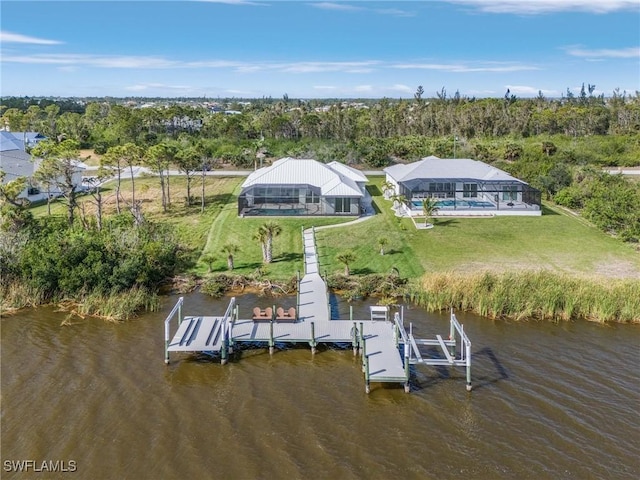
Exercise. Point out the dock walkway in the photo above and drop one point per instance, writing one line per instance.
(387, 350)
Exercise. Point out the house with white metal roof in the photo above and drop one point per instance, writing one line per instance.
(15, 162)
(292, 186)
(461, 186)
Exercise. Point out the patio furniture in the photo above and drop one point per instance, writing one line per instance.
(260, 315)
(283, 315)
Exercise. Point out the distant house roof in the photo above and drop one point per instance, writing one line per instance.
(347, 171)
(9, 142)
(13, 140)
(448, 169)
(291, 171)
(16, 163)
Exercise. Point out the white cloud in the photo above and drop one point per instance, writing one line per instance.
(147, 62)
(92, 60)
(314, 67)
(335, 6)
(151, 86)
(535, 7)
(631, 52)
(530, 91)
(402, 88)
(364, 88)
(496, 67)
(8, 37)
(395, 12)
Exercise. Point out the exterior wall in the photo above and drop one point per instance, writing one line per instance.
(354, 205)
(395, 184)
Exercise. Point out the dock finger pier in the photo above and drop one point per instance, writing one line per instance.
(388, 349)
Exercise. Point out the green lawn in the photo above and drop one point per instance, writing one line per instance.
(555, 241)
(287, 247)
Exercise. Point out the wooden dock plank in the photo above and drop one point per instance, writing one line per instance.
(385, 362)
(197, 334)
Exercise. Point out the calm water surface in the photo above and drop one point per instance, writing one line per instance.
(550, 401)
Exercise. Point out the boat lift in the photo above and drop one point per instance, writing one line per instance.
(456, 350)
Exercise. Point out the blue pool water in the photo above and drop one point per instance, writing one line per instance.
(417, 204)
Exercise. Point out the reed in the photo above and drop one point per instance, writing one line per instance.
(15, 296)
(530, 295)
(119, 306)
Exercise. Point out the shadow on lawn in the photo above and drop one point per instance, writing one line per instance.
(361, 271)
(445, 222)
(289, 257)
(548, 211)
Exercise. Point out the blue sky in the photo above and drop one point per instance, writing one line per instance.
(310, 49)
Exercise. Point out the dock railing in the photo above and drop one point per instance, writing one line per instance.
(167, 327)
(465, 347)
(227, 326)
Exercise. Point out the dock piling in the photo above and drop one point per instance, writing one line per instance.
(313, 342)
(407, 353)
(354, 339)
(272, 343)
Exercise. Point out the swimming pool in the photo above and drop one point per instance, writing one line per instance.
(446, 204)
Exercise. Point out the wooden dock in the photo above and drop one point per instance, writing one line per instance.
(386, 348)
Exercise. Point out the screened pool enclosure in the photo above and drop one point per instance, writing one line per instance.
(294, 200)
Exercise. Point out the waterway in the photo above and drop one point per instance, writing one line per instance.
(550, 401)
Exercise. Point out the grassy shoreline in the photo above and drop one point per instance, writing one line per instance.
(491, 266)
(539, 295)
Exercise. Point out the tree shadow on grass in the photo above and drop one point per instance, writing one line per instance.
(374, 191)
(251, 266)
(288, 257)
(361, 271)
(548, 211)
(445, 222)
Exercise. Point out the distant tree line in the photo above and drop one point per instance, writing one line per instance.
(547, 142)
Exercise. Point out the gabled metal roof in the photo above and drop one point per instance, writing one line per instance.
(16, 163)
(448, 169)
(347, 171)
(9, 141)
(293, 171)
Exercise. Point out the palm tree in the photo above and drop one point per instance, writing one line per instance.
(265, 235)
(429, 208)
(346, 258)
(387, 188)
(398, 201)
(382, 242)
(209, 259)
(230, 249)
